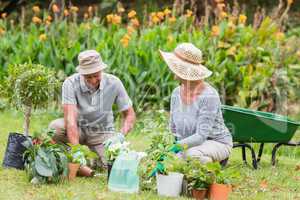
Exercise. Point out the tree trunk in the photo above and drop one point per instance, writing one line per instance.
(27, 115)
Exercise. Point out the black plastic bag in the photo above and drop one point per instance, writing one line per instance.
(14, 151)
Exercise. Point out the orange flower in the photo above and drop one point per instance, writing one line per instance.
(131, 14)
(66, 13)
(49, 18)
(188, 13)
(2, 31)
(160, 15)
(55, 8)
(90, 9)
(290, 2)
(74, 9)
(125, 40)
(36, 20)
(43, 37)
(279, 35)
(116, 19)
(85, 15)
(215, 31)
(4, 15)
(135, 22)
(242, 19)
(130, 30)
(36, 9)
(172, 19)
(167, 12)
(155, 20)
(223, 15)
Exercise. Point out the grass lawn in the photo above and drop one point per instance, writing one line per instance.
(280, 182)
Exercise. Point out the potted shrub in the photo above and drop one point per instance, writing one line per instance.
(27, 87)
(45, 162)
(199, 178)
(77, 157)
(221, 186)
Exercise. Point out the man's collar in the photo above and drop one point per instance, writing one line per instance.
(85, 88)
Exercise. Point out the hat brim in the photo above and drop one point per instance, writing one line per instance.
(91, 70)
(183, 69)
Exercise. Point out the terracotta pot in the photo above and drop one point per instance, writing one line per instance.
(219, 191)
(199, 194)
(85, 171)
(73, 169)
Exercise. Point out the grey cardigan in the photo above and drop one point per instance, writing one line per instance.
(202, 120)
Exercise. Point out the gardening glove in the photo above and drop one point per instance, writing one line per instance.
(117, 138)
(158, 168)
(176, 148)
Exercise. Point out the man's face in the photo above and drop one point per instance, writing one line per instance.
(93, 80)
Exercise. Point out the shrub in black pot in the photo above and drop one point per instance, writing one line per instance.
(27, 87)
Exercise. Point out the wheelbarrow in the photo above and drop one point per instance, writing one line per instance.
(249, 126)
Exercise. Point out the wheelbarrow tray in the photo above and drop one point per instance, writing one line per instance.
(257, 126)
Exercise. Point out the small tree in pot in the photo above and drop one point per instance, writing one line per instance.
(28, 86)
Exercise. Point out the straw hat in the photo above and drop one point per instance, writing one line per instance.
(90, 62)
(185, 61)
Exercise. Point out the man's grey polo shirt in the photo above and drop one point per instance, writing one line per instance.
(95, 113)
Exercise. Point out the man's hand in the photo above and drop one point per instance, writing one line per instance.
(128, 119)
(70, 118)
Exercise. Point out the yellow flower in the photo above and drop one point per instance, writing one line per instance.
(167, 12)
(279, 35)
(55, 8)
(231, 51)
(170, 38)
(131, 14)
(223, 15)
(4, 15)
(222, 44)
(135, 22)
(2, 31)
(220, 6)
(48, 22)
(127, 37)
(36, 9)
(66, 13)
(153, 14)
(36, 20)
(74, 9)
(231, 26)
(87, 26)
(130, 30)
(43, 37)
(121, 10)
(90, 9)
(188, 13)
(290, 2)
(155, 19)
(172, 19)
(242, 19)
(215, 30)
(116, 19)
(85, 15)
(109, 18)
(232, 19)
(49, 18)
(160, 15)
(298, 53)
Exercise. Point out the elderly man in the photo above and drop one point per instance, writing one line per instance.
(87, 98)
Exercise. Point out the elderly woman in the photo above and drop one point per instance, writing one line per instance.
(196, 118)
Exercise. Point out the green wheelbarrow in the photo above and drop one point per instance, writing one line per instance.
(248, 126)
